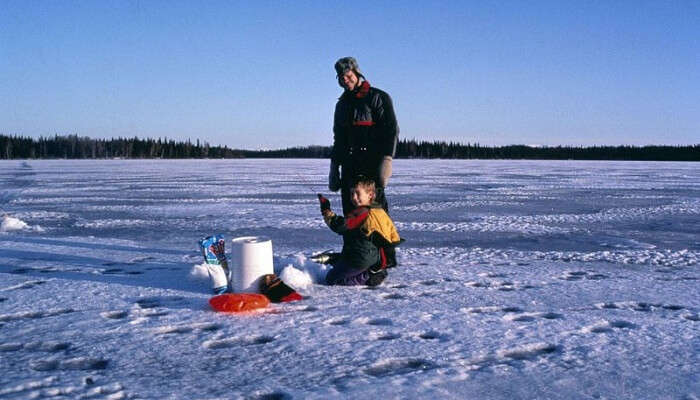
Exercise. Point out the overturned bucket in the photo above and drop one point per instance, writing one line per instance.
(251, 259)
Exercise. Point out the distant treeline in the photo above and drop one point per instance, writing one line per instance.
(76, 147)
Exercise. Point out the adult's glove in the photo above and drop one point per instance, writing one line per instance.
(384, 171)
(334, 178)
(325, 203)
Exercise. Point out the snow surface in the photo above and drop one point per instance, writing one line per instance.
(519, 279)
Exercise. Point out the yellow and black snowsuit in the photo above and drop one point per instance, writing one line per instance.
(365, 231)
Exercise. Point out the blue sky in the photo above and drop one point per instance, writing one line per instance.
(260, 74)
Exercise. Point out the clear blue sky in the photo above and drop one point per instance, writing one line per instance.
(255, 75)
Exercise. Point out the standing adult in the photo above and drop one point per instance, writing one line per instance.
(365, 134)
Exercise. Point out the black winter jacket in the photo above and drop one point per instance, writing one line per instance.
(364, 130)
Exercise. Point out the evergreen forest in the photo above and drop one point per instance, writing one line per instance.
(77, 147)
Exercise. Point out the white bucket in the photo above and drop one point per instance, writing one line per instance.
(251, 258)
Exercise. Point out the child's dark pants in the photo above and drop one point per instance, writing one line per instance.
(346, 275)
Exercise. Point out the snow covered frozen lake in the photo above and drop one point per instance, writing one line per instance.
(519, 279)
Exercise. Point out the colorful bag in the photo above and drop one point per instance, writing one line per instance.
(214, 252)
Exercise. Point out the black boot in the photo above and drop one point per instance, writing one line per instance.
(376, 278)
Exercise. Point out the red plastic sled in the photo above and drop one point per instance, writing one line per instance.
(238, 302)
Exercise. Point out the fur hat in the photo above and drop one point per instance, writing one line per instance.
(347, 64)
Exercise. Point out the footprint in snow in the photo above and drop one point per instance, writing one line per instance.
(262, 339)
(519, 317)
(504, 286)
(512, 313)
(677, 279)
(78, 363)
(672, 307)
(49, 346)
(153, 302)
(154, 314)
(22, 271)
(380, 321)
(691, 317)
(142, 259)
(148, 303)
(210, 327)
(511, 309)
(179, 329)
(639, 306)
(112, 271)
(220, 344)
(385, 368)
(119, 271)
(277, 395)
(665, 270)
(114, 314)
(34, 314)
(581, 275)
(492, 275)
(168, 330)
(608, 326)
(374, 321)
(238, 341)
(481, 310)
(8, 347)
(385, 336)
(551, 315)
(529, 352)
(432, 335)
(25, 285)
(393, 296)
(526, 317)
(338, 321)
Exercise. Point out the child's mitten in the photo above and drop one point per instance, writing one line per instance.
(325, 203)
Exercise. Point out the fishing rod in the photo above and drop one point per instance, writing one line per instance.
(308, 184)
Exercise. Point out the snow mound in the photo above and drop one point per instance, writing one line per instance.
(313, 271)
(296, 278)
(199, 272)
(12, 224)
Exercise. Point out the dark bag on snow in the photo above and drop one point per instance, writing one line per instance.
(276, 290)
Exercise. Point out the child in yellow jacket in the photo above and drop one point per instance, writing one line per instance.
(369, 238)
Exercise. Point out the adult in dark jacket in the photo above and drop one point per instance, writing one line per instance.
(365, 134)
